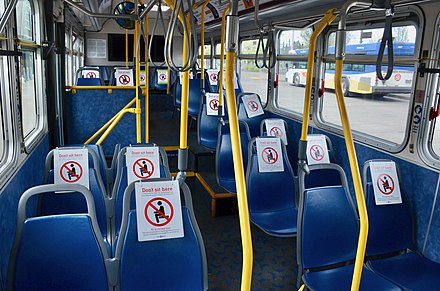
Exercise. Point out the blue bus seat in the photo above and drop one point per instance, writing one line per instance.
(170, 264)
(60, 252)
(254, 122)
(207, 126)
(121, 182)
(327, 241)
(93, 73)
(292, 151)
(89, 82)
(275, 213)
(223, 157)
(51, 204)
(391, 249)
(156, 85)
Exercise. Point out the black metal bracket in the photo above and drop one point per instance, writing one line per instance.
(422, 70)
(10, 53)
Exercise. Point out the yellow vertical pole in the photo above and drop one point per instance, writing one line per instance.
(138, 101)
(184, 98)
(126, 48)
(169, 81)
(354, 167)
(146, 87)
(351, 152)
(246, 237)
(245, 230)
(222, 55)
(202, 39)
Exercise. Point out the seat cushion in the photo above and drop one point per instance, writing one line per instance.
(277, 223)
(410, 271)
(340, 279)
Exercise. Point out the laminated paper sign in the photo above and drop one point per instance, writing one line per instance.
(317, 151)
(275, 127)
(269, 153)
(71, 167)
(124, 77)
(158, 210)
(212, 104)
(142, 163)
(252, 105)
(385, 183)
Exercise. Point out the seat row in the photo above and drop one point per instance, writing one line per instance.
(328, 230)
(123, 76)
(108, 200)
(68, 251)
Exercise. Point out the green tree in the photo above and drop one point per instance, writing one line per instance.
(400, 34)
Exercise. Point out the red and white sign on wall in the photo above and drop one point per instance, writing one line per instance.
(385, 183)
(158, 210)
(142, 163)
(270, 156)
(317, 150)
(71, 166)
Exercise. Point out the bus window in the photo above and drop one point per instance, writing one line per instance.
(253, 79)
(292, 69)
(387, 101)
(207, 56)
(30, 81)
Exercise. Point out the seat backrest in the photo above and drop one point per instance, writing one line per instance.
(327, 228)
(223, 157)
(253, 122)
(121, 180)
(168, 264)
(391, 226)
(161, 78)
(207, 125)
(269, 191)
(71, 202)
(88, 82)
(89, 73)
(321, 175)
(194, 96)
(60, 252)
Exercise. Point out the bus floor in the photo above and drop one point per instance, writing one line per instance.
(274, 264)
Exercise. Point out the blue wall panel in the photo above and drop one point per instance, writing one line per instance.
(87, 110)
(419, 183)
(29, 175)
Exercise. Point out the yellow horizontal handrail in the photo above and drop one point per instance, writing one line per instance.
(115, 122)
(101, 87)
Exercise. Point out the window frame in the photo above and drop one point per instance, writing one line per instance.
(37, 133)
(366, 138)
(427, 127)
(298, 116)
